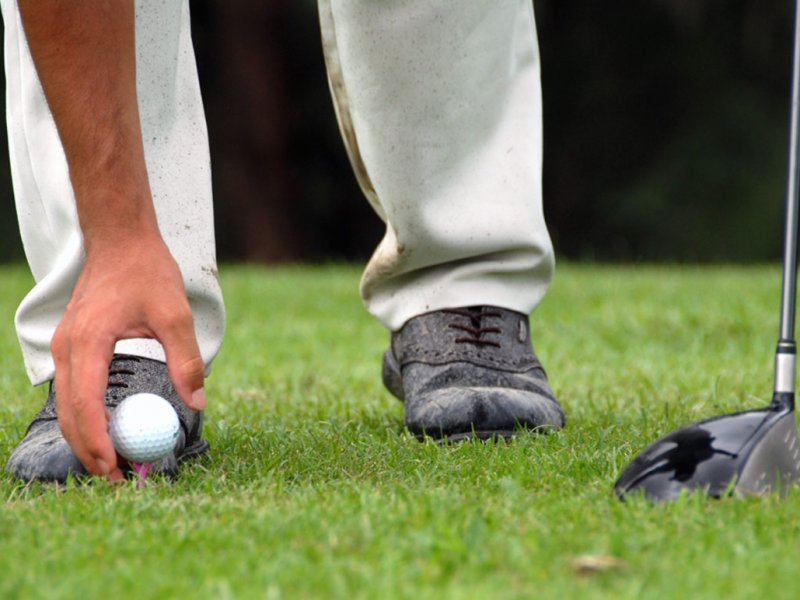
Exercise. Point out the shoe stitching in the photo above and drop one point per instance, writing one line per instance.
(466, 355)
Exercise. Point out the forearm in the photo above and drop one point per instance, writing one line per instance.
(84, 52)
(130, 285)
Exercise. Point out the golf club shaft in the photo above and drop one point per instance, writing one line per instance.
(785, 359)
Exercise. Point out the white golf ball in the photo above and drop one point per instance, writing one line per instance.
(144, 428)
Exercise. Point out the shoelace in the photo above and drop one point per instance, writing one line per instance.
(112, 371)
(117, 379)
(475, 329)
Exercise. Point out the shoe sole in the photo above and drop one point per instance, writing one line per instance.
(458, 438)
(486, 435)
(194, 451)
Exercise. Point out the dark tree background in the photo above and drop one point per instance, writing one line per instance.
(665, 127)
(665, 132)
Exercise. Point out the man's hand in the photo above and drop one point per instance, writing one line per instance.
(130, 285)
(129, 289)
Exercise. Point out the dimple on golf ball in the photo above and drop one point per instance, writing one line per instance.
(144, 428)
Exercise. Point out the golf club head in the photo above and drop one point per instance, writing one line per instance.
(751, 452)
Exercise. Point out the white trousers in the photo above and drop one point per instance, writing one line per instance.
(439, 105)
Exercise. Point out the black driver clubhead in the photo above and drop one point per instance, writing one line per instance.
(751, 452)
(746, 453)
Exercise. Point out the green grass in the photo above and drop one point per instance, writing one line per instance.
(313, 489)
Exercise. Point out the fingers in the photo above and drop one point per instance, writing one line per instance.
(185, 364)
(81, 380)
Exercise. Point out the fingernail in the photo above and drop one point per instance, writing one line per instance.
(199, 399)
(103, 466)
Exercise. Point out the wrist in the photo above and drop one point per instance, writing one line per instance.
(116, 216)
(127, 239)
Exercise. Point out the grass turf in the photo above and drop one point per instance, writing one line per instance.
(313, 489)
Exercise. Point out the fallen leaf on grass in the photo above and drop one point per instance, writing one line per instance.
(589, 564)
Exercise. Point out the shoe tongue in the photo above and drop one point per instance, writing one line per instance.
(475, 311)
(477, 314)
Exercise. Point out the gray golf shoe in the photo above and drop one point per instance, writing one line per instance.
(44, 454)
(470, 373)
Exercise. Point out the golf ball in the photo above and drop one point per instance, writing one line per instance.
(144, 428)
